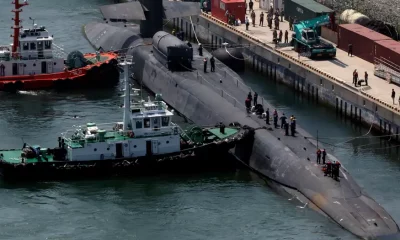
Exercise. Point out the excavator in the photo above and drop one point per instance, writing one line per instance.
(306, 40)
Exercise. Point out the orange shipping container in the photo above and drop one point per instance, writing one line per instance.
(361, 38)
(388, 50)
(235, 7)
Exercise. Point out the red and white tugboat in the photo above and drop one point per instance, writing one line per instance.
(28, 63)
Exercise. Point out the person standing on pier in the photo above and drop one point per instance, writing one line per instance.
(366, 78)
(269, 20)
(247, 23)
(290, 23)
(251, 5)
(323, 156)
(286, 36)
(212, 63)
(262, 19)
(276, 22)
(255, 98)
(280, 36)
(355, 77)
(205, 64)
(350, 51)
(393, 95)
(282, 13)
(274, 36)
(253, 18)
(267, 116)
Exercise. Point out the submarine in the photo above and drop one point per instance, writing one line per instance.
(165, 64)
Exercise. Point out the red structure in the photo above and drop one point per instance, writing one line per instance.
(17, 9)
(235, 7)
(363, 40)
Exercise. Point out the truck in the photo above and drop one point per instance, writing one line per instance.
(306, 40)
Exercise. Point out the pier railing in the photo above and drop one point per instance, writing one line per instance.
(300, 63)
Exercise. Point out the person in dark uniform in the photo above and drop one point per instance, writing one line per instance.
(275, 116)
(293, 128)
(337, 170)
(251, 5)
(255, 98)
(200, 49)
(248, 104)
(249, 96)
(205, 64)
(275, 119)
(212, 62)
(319, 156)
(286, 129)
(323, 156)
(350, 51)
(333, 172)
(286, 36)
(267, 116)
(283, 120)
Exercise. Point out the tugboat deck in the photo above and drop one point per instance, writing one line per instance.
(14, 156)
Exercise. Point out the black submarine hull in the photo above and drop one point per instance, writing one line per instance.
(210, 98)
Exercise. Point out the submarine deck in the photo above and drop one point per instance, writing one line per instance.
(341, 68)
(344, 193)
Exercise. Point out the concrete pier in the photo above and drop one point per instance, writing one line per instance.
(329, 81)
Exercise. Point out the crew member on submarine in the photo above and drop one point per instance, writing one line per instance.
(212, 63)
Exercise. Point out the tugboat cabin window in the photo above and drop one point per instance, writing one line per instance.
(164, 121)
(156, 123)
(25, 46)
(147, 123)
(47, 44)
(139, 123)
(33, 46)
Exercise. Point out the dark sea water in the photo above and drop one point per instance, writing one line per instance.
(230, 205)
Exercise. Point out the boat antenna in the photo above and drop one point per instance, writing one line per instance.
(33, 23)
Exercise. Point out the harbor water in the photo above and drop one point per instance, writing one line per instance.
(226, 205)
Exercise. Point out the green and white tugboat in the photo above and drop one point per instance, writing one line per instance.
(145, 142)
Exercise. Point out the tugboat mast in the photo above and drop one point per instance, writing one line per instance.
(17, 9)
(127, 94)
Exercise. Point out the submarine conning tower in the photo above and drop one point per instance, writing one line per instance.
(150, 13)
(172, 52)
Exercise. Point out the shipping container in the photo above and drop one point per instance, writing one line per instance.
(266, 4)
(388, 50)
(235, 7)
(304, 9)
(363, 40)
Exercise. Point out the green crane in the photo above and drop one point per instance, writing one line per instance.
(306, 39)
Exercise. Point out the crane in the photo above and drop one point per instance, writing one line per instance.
(306, 38)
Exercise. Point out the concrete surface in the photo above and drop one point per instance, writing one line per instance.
(341, 68)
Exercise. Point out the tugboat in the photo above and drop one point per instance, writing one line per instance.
(146, 141)
(28, 63)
